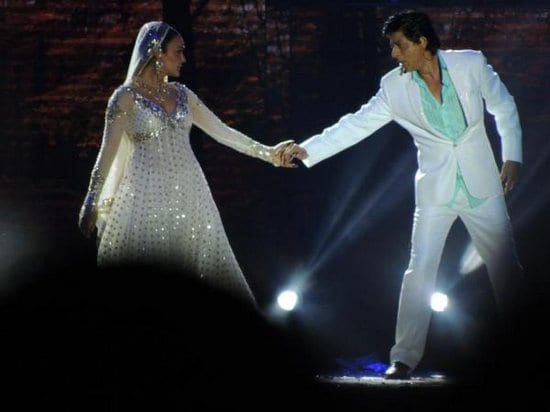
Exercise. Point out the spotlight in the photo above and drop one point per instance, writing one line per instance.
(470, 260)
(439, 302)
(287, 300)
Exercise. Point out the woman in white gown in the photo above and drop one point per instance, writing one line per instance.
(148, 196)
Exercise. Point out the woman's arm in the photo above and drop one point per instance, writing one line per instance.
(205, 119)
(116, 123)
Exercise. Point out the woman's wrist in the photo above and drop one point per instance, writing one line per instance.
(262, 152)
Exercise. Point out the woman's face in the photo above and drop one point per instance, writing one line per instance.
(173, 58)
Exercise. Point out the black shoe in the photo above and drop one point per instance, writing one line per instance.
(397, 370)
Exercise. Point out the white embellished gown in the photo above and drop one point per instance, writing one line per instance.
(153, 201)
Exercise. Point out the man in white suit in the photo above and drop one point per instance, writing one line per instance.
(438, 97)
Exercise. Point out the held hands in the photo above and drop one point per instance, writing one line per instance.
(509, 175)
(284, 153)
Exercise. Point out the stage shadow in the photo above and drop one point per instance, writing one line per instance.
(77, 338)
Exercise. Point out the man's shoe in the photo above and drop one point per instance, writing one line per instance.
(397, 370)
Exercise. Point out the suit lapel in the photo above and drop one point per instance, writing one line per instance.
(457, 77)
(415, 104)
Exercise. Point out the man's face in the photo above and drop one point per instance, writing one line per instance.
(408, 53)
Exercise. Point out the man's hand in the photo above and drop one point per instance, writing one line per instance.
(285, 152)
(294, 151)
(509, 175)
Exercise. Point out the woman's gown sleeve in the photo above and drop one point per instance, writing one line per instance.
(111, 160)
(206, 120)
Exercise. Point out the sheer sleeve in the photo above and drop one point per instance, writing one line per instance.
(117, 123)
(219, 131)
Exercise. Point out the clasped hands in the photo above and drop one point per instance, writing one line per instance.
(284, 153)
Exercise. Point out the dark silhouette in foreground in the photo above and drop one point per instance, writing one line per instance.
(135, 336)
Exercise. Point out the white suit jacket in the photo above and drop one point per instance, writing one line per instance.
(399, 99)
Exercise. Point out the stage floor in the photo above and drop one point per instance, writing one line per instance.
(379, 382)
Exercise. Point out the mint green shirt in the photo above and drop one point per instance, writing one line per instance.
(448, 118)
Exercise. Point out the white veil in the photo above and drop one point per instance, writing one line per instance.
(148, 42)
(147, 45)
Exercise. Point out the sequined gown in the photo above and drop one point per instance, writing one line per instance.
(154, 203)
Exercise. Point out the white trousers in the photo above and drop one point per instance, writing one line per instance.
(489, 227)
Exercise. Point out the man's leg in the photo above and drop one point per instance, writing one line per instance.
(430, 229)
(491, 232)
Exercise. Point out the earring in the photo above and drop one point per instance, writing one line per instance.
(159, 66)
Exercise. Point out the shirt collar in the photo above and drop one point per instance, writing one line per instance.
(445, 79)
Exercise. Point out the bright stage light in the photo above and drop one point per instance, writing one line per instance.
(287, 300)
(470, 260)
(439, 302)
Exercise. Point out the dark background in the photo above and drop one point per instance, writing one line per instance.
(277, 70)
